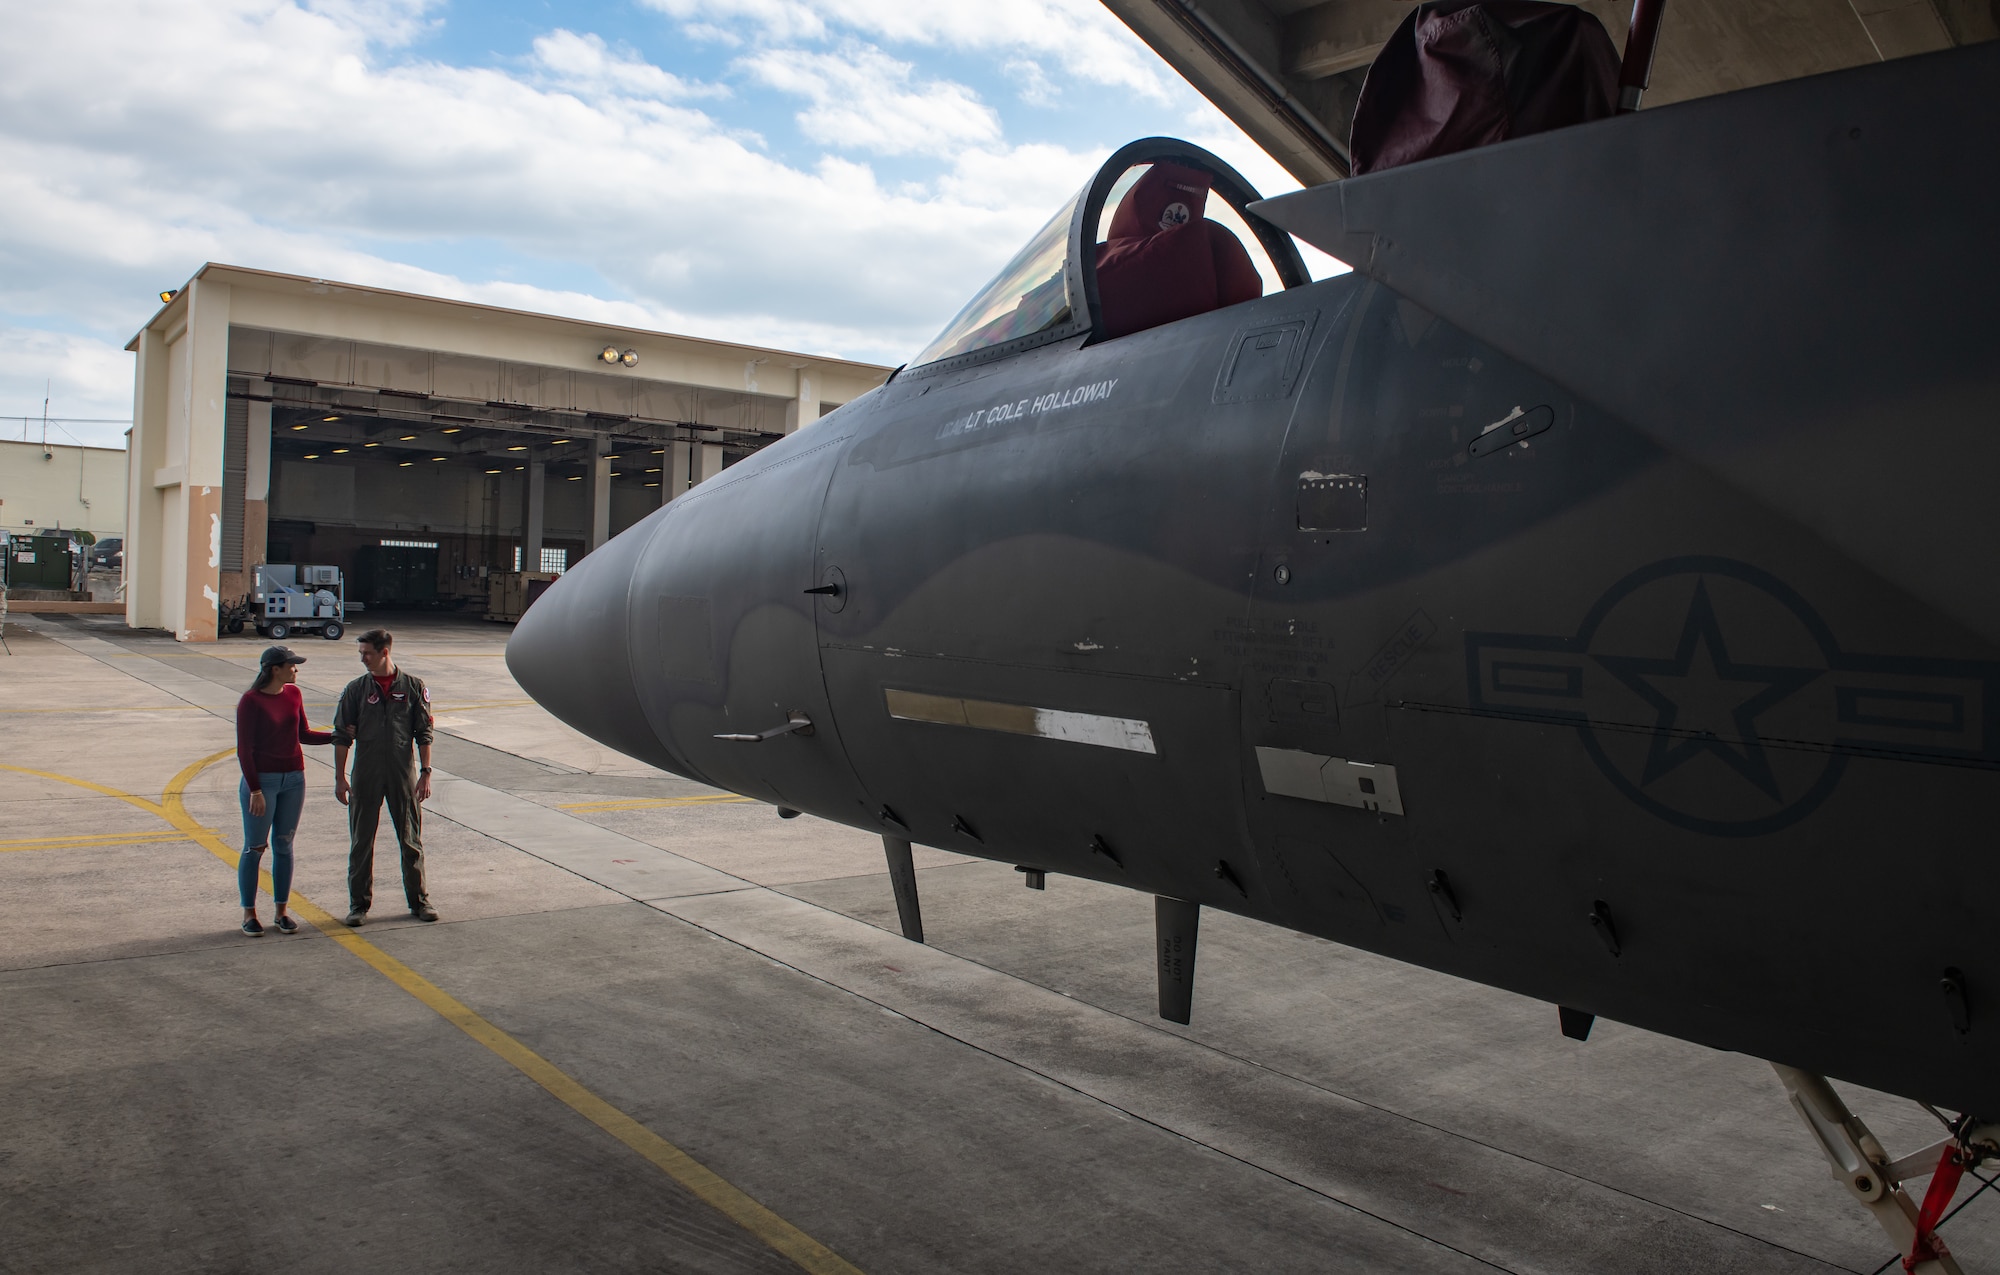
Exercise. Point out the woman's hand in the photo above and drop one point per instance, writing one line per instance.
(257, 804)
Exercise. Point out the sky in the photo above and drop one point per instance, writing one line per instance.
(830, 176)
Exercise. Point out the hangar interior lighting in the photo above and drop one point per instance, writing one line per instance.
(659, 451)
(298, 427)
(340, 451)
(407, 438)
(492, 471)
(312, 455)
(518, 447)
(560, 441)
(454, 429)
(329, 418)
(440, 458)
(576, 478)
(652, 484)
(652, 471)
(371, 444)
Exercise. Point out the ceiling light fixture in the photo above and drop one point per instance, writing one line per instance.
(340, 451)
(405, 464)
(517, 448)
(659, 451)
(371, 444)
(519, 468)
(560, 441)
(298, 427)
(454, 429)
(312, 455)
(576, 478)
(652, 484)
(492, 471)
(440, 458)
(652, 471)
(329, 418)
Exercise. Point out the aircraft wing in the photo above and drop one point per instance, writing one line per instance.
(1796, 285)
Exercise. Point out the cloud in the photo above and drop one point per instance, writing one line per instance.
(81, 376)
(585, 64)
(139, 140)
(1080, 36)
(863, 99)
(122, 169)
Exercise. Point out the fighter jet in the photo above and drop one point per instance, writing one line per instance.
(1589, 595)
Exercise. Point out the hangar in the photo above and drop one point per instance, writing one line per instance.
(418, 443)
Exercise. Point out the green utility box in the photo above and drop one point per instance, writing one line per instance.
(395, 575)
(40, 562)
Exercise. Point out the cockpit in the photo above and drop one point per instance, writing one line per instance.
(1160, 233)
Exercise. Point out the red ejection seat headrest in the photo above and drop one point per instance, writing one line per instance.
(1165, 197)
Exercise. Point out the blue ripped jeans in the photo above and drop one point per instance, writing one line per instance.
(284, 801)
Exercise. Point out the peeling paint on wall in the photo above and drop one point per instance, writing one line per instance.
(214, 536)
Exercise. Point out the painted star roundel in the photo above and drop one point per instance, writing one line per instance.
(1712, 695)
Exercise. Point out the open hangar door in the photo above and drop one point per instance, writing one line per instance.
(421, 499)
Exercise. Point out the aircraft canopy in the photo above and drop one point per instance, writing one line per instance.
(1167, 237)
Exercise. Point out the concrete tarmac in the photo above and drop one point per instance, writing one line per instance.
(179, 1096)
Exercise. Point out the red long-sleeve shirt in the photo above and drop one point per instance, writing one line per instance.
(269, 730)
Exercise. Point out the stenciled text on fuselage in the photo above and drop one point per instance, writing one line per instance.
(1054, 401)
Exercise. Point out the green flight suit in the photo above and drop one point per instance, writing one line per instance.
(383, 730)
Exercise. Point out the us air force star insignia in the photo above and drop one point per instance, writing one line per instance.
(1696, 715)
(1709, 693)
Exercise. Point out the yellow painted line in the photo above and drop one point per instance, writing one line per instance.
(163, 708)
(803, 1250)
(197, 708)
(651, 803)
(85, 843)
(157, 811)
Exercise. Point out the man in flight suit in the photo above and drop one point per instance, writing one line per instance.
(381, 714)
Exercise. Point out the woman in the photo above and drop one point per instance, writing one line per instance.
(270, 726)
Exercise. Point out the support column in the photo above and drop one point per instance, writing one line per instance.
(600, 493)
(803, 410)
(533, 517)
(145, 505)
(679, 470)
(903, 879)
(206, 345)
(710, 461)
(257, 487)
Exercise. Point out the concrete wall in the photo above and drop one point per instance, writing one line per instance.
(62, 486)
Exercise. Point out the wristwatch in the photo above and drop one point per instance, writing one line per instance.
(424, 770)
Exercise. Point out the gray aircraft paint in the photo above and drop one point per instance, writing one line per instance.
(1604, 670)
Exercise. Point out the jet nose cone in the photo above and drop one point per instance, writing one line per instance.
(572, 651)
